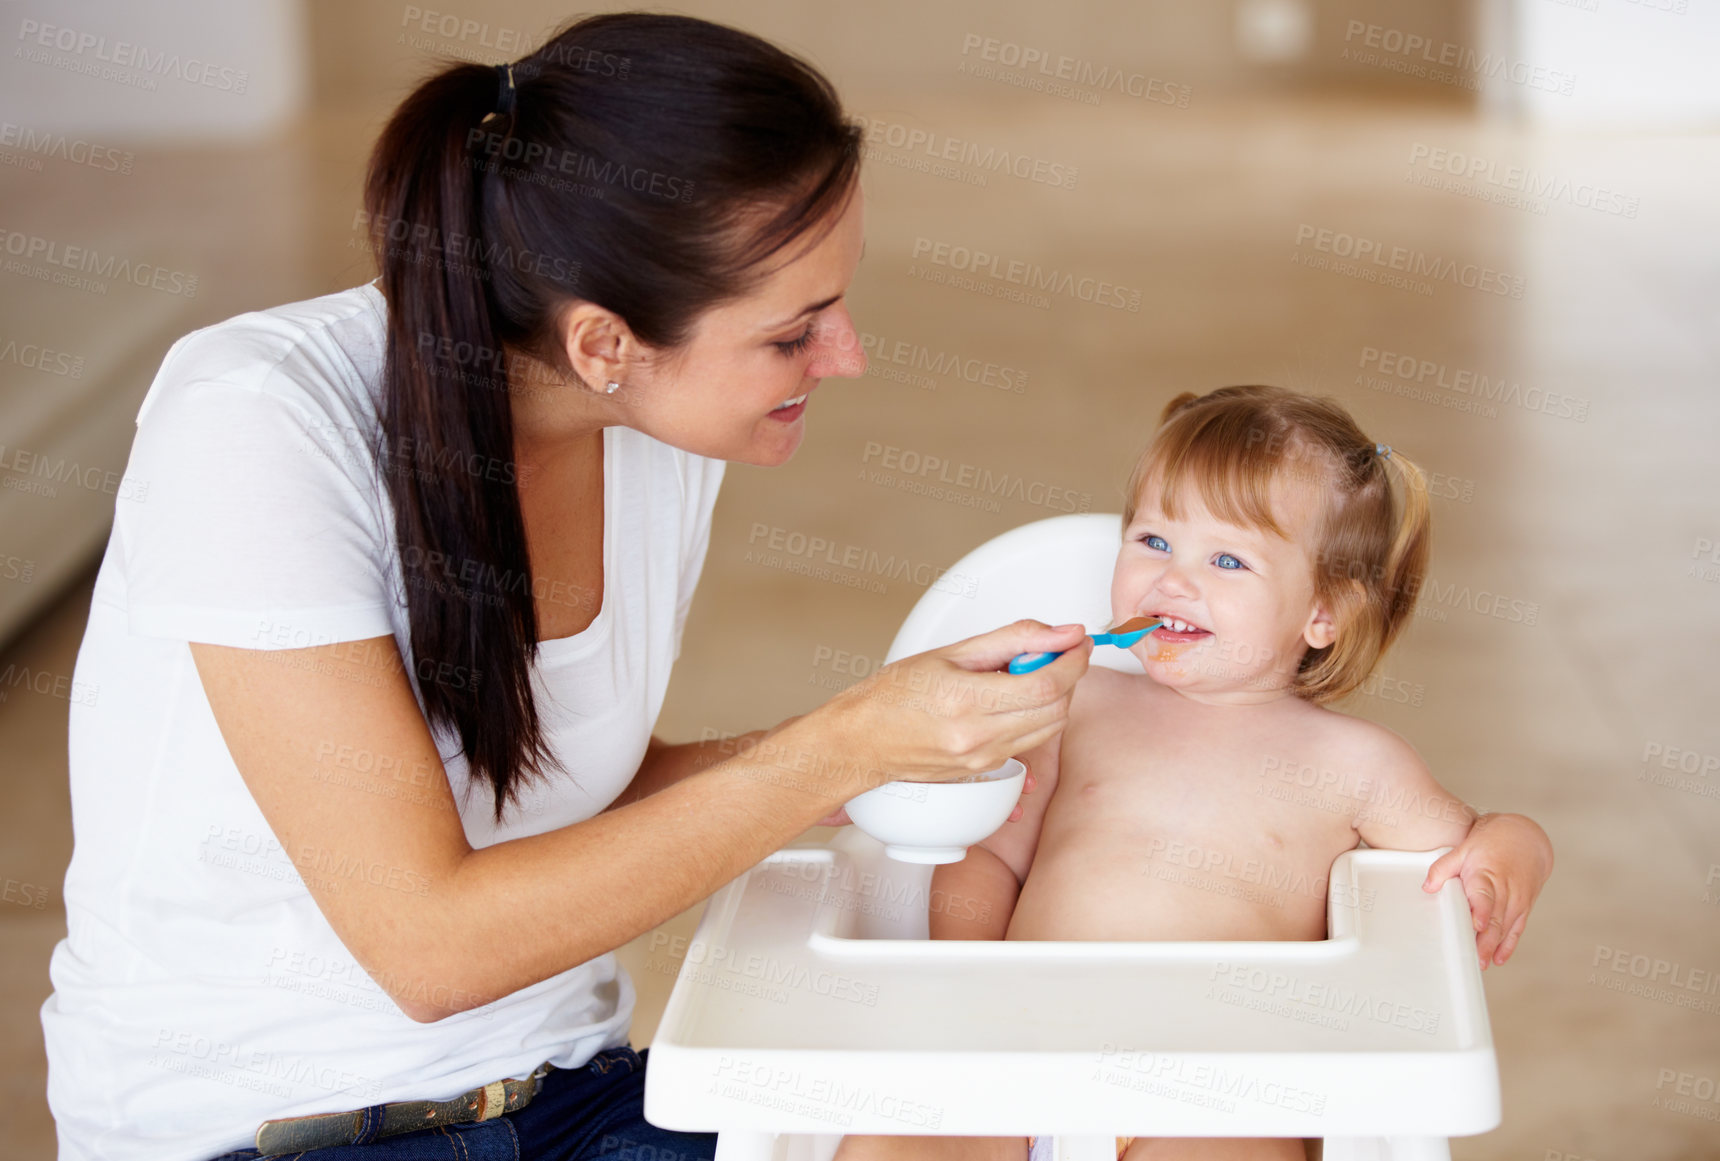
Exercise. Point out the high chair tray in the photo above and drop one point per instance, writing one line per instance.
(810, 1000)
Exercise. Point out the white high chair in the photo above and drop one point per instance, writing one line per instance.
(811, 1003)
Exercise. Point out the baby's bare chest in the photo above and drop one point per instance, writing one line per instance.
(1183, 795)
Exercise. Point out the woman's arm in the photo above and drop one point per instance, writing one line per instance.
(342, 764)
(333, 747)
(666, 763)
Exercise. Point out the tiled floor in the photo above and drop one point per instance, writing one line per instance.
(1597, 523)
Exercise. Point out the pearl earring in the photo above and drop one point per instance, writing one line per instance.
(611, 389)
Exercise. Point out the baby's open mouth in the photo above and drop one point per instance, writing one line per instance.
(1177, 629)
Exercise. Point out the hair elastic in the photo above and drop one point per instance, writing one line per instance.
(1383, 450)
(504, 89)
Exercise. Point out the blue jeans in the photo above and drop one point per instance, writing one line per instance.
(591, 1113)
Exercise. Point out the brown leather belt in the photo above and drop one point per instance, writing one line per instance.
(321, 1130)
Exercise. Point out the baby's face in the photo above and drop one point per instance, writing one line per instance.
(1244, 595)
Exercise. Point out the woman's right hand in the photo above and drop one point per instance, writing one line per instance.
(947, 713)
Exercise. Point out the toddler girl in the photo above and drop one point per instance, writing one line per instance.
(1283, 550)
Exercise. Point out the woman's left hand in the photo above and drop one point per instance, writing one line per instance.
(1503, 862)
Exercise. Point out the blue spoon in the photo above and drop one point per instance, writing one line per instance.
(1122, 636)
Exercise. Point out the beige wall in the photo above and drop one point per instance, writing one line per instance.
(371, 49)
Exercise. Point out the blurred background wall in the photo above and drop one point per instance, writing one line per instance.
(163, 167)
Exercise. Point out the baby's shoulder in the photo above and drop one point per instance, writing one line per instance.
(1101, 690)
(1358, 744)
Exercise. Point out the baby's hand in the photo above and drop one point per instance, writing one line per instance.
(1503, 862)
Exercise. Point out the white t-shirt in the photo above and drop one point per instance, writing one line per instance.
(199, 990)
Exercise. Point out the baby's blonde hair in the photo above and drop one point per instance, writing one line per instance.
(1370, 536)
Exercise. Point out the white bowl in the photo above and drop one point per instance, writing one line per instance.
(936, 822)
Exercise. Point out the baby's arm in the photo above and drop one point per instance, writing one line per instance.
(1401, 807)
(973, 899)
(1502, 860)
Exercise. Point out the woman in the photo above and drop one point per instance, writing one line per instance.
(368, 795)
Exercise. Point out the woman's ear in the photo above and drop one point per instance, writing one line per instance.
(598, 344)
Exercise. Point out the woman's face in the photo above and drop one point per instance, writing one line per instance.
(722, 393)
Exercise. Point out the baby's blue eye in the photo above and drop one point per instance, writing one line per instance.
(1158, 543)
(1225, 560)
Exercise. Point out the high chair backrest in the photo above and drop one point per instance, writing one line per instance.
(1056, 570)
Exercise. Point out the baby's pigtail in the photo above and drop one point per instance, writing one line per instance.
(1177, 404)
(1406, 563)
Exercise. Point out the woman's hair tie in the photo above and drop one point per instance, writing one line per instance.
(505, 89)
(1383, 450)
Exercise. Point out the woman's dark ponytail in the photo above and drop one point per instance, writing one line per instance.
(420, 194)
(634, 145)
